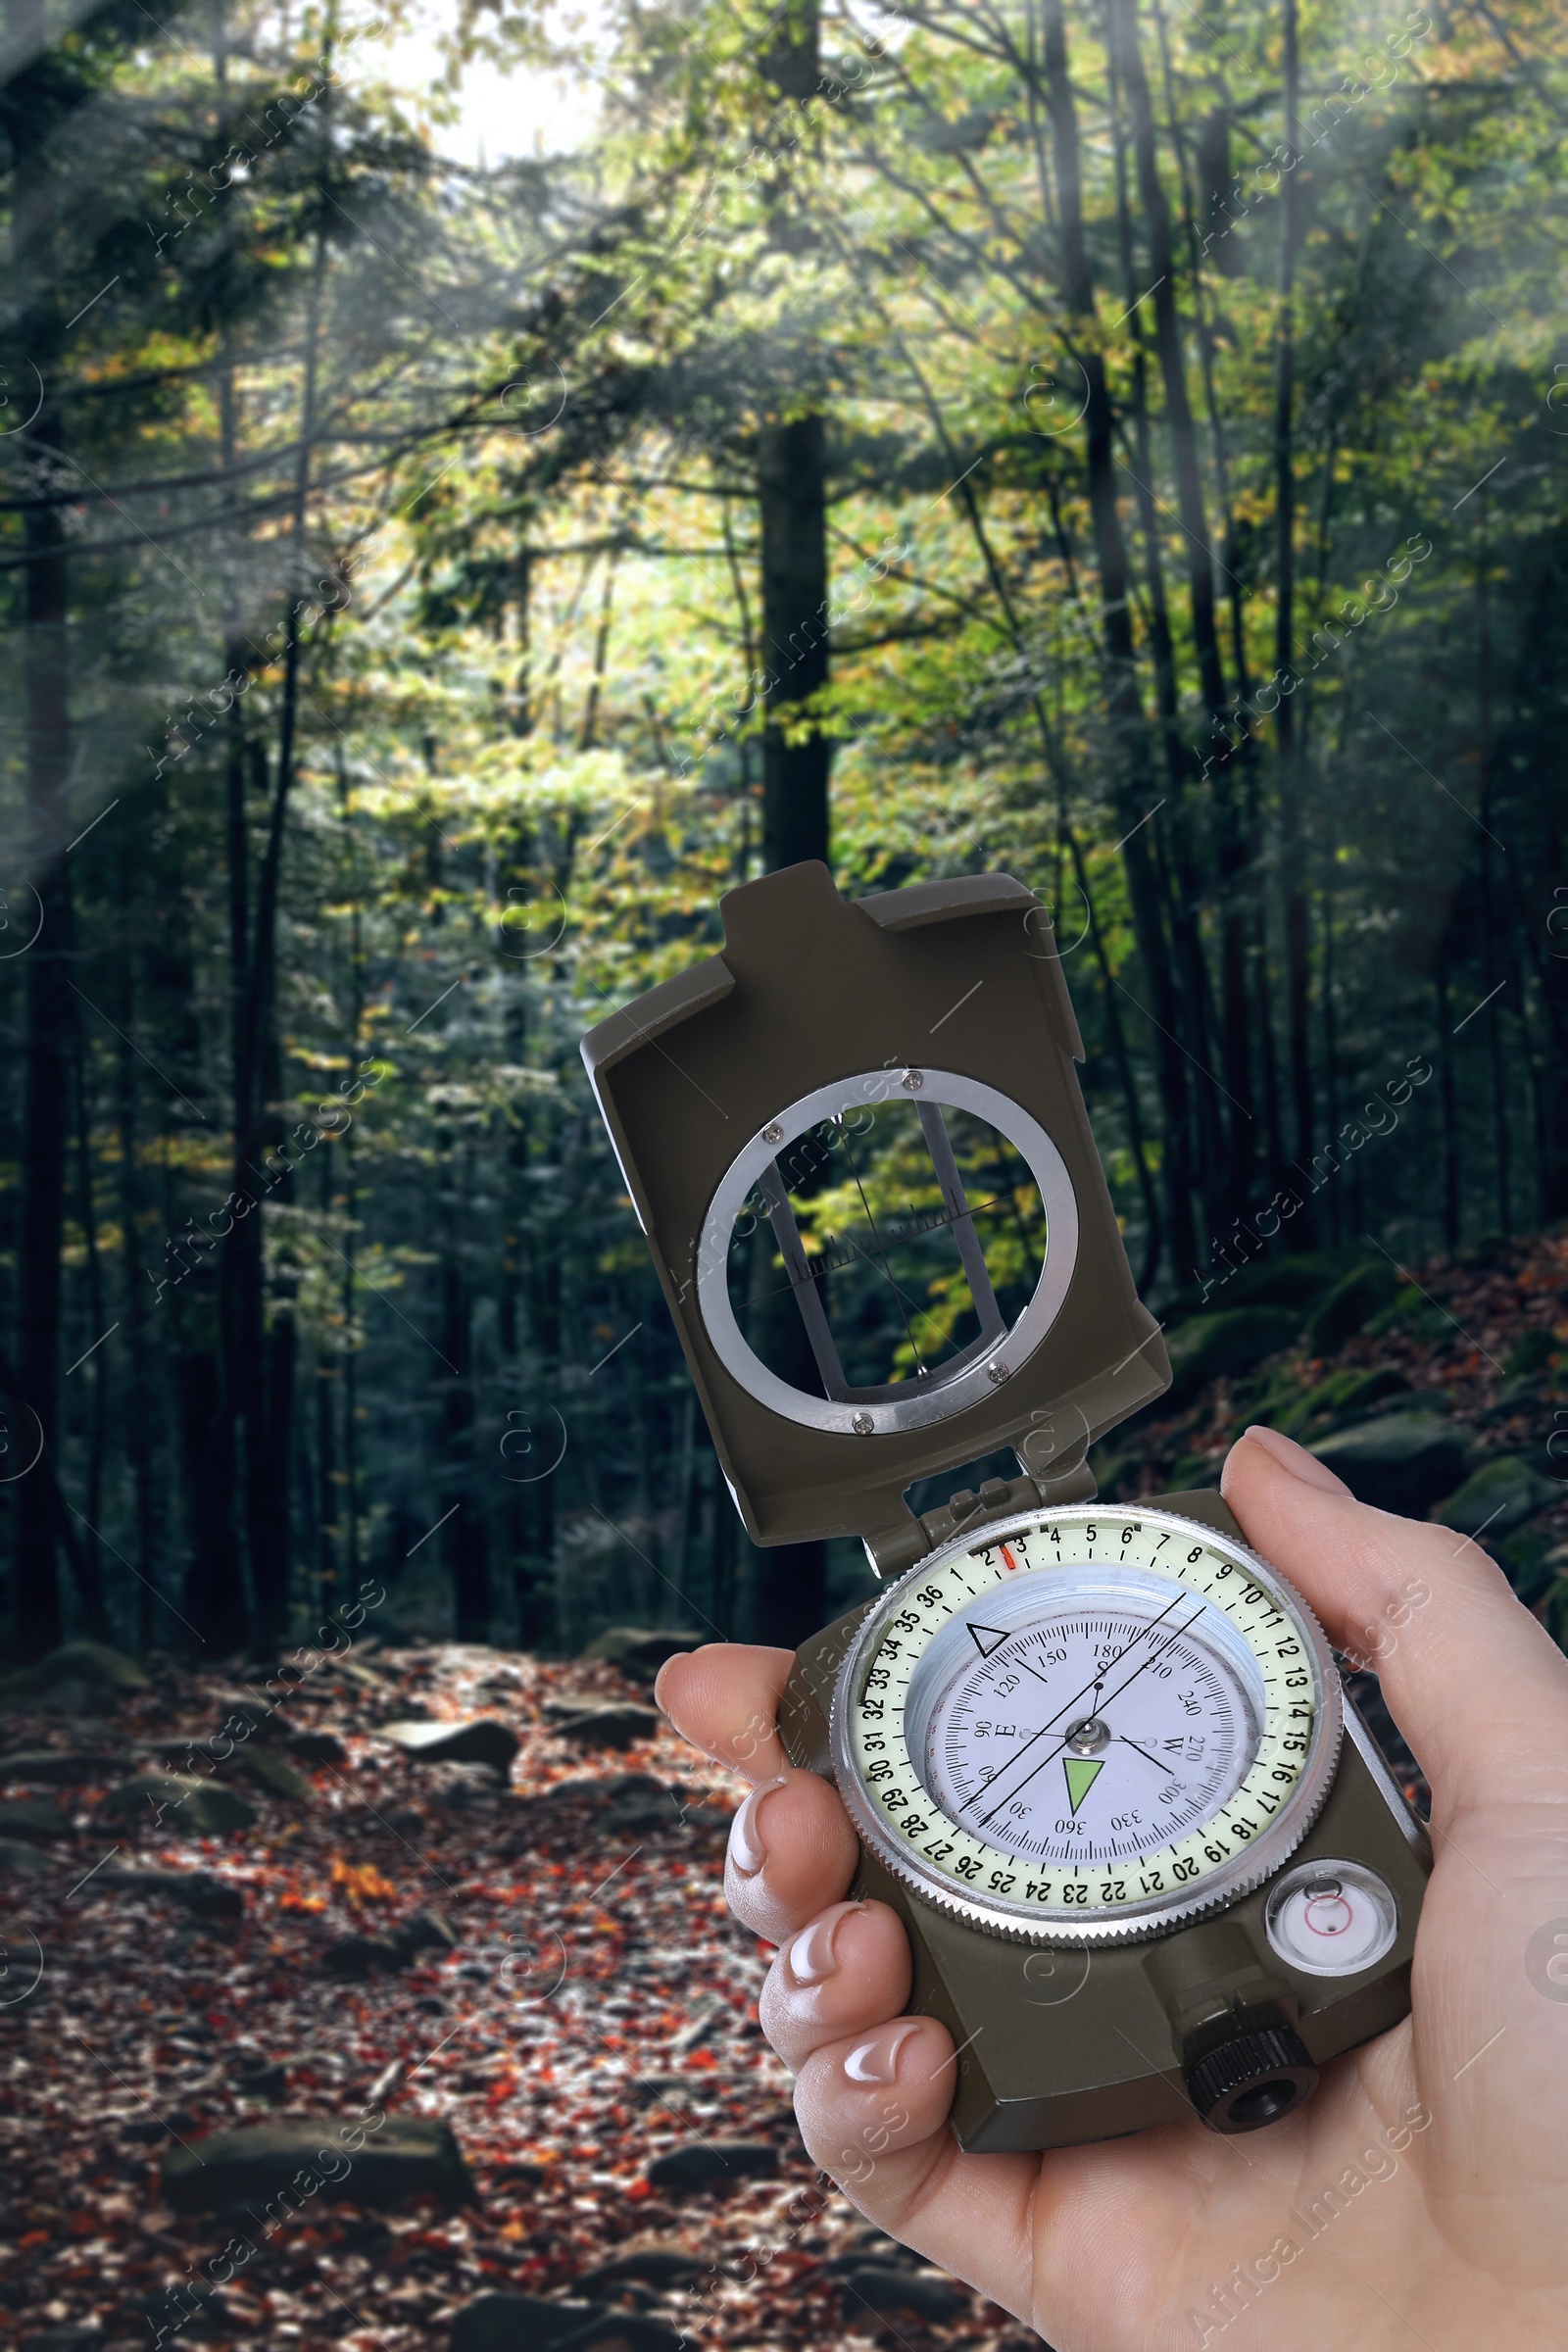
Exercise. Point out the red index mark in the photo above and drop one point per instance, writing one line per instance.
(1011, 1562)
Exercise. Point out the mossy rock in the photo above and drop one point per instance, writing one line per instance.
(1532, 1353)
(1297, 1281)
(355, 1957)
(1109, 1469)
(201, 1808)
(89, 1666)
(281, 2168)
(93, 1662)
(68, 1768)
(1497, 1498)
(1400, 1461)
(1527, 1563)
(639, 1652)
(271, 1772)
(1190, 1470)
(1350, 1305)
(1233, 1342)
(198, 1890)
(20, 1860)
(1411, 1314)
(34, 1817)
(1554, 1612)
(1342, 1397)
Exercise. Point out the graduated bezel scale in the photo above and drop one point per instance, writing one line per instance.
(1265, 1815)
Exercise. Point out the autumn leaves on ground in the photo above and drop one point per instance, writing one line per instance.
(321, 2035)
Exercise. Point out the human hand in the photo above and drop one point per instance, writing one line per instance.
(1446, 2141)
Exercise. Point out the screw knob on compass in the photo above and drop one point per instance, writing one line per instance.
(1251, 2081)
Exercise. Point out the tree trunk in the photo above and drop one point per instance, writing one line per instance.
(138, 1432)
(1123, 702)
(214, 1599)
(87, 1561)
(464, 1534)
(790, 482)
(268, 1390)
(47, 1052)
(1184, 900)
(327, 1470)
(1450, 1110)
(1235, 1025)
(1292, 765)
(522, 683)
(790, 1584)
(1496, 1053)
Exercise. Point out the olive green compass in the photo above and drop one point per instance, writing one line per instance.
(1098, 1755)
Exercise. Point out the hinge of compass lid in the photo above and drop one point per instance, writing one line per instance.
(970, 1509)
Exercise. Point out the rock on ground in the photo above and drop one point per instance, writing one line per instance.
(1400, 1462)
(93, 1662)
(1232, 1341)
(64, 1768)
(1498, 1497)
(611, 1726)
(888, 2289)
(482, 1740)
(654, 2260)
(531, 2324)
(196, 1890)
(274, 2165)
(34, 1817)
(355, 1957)
(1350, 1305)
(77, 1667)
(201, 1808)
(270, 1772)
(316, 1747)
(713, 2164)
(519, 2324)
(21, 1861)
(640, 1654)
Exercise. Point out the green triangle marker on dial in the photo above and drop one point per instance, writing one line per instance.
(1080, 1771)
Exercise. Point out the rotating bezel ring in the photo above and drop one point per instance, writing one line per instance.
(1131, 1921)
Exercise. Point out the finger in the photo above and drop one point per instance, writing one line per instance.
(791, 1852)
(845, 1971)
(872, 2109)
(1475, 1684)
(724, 1699)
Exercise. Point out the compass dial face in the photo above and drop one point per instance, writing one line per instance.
(1089, 1726)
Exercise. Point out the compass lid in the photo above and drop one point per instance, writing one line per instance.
(749, 1078)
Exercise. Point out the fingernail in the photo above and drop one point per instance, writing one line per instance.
(811, 1954)
(746, 1848)
(877, 2060)
(1297, 1461)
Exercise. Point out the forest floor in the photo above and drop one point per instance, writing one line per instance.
(596, 2012)
(540, 1970)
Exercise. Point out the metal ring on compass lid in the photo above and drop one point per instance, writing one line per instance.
(975, 1370)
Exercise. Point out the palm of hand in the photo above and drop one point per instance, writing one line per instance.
(1418, 2197)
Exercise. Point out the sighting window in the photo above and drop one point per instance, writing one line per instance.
(891, 1247)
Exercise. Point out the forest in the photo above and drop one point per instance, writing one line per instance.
(1114, 442)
